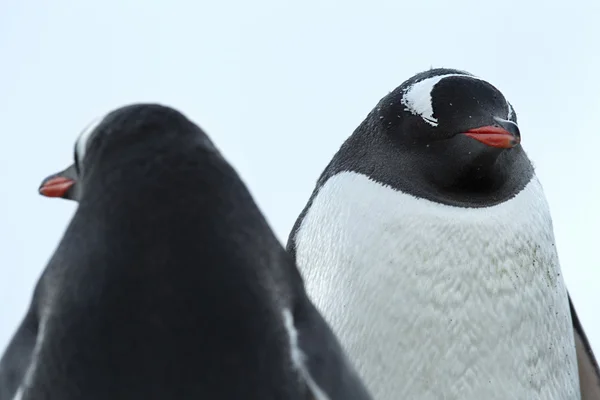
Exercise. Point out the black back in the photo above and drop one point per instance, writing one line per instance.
(168, 282)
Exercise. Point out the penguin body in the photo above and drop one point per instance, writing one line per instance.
(169, 284)
(17, 357)
(429, 248)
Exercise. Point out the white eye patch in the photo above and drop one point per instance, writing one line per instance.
(84, 136)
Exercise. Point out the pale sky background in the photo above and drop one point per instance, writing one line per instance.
(279, 87)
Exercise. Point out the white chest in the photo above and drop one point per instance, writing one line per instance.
(441, 302)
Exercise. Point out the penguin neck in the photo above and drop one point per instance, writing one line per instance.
(175, 171)
(482, 181)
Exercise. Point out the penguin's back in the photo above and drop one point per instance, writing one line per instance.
(167, 284)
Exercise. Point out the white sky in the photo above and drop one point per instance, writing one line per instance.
(278, 88)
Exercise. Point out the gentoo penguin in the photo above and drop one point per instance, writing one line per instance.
(429, 248)
(169, 284)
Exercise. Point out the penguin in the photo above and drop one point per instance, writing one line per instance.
(169, 284)
(428, 246)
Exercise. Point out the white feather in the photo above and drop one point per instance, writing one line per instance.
(28, 376)
(440, 302)
(81, 143)
(19, 394)
(418, 100)
(510, 110)
(298, 357)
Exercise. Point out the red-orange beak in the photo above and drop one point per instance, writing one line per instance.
(56, 186)
(494, 136)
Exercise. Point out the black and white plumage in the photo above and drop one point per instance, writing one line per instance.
(428, 246)
(169, 284)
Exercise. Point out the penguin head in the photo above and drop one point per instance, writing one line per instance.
(63, 184)
(444, 135)
(114, 132)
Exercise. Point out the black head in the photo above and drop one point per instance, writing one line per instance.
(443, 135)
(112, 132)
